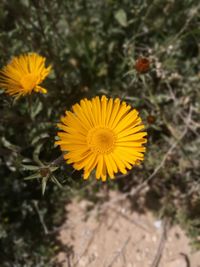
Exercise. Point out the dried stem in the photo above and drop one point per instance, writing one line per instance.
(120, 252)
(161, 245)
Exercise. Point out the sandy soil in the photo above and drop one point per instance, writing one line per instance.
(119, 237)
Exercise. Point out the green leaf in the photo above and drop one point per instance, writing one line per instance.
(121, 17)
(53, 169)
(38, 107)
(33, 176)
(9, 145)
(36, 154)
(30, 167)
(44, 183)
(39, 137)
(53, 178)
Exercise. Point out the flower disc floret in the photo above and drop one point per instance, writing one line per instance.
(101, 140)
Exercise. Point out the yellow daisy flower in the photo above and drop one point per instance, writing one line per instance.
(24, 74)
(102, 134)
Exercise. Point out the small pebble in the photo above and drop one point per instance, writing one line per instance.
(158, 224)
(154, 239)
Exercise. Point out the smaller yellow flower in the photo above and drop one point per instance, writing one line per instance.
(24, 74)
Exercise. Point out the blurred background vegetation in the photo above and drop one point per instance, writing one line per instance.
(93, 46)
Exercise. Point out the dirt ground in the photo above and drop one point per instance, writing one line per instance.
(119, 237)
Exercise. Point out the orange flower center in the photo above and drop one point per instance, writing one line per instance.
(29, 81)
(101, 140)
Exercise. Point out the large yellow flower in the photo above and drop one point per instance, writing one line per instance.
(24, 74)
(102, 134)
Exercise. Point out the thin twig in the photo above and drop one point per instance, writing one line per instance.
(89, 243)
(161, 245)
(120, 252)
(46, 231)
(186, 258)
(131, 220)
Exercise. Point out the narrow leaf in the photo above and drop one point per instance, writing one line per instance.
(53, 169)
(44, 183)
(53, 178)
(121, 17)
(30, 167)
(33, 176)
